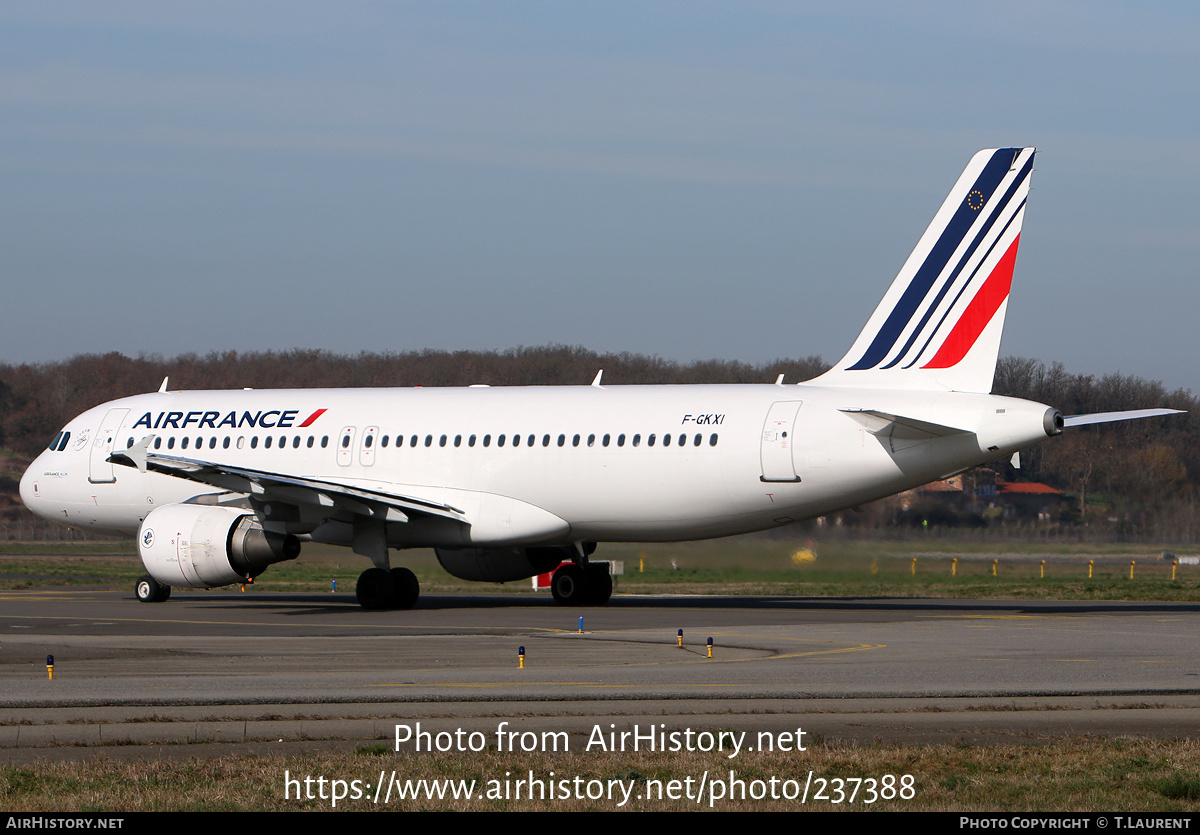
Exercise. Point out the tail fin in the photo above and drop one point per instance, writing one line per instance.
(939, 324)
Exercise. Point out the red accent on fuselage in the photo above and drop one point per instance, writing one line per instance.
(308, 420)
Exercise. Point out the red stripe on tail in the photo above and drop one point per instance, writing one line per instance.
(978, 313)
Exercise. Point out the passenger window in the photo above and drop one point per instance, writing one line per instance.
(606, 439)
(650, 439)
(530, 440)
(267, 441)
(458, 440)
(183, 443)
(545, 440)
(562, 439)
(487, 440)
(621, 439)
(442, 441)
(282, 441)
(310, 441)
(129, 443)
(591, 440)
(158, 443)
(637, 439)
(296, 442)
(516, 440)
(384, 441)
(682, 439)
(253, 442)
(471, 441)
(696, 440)
(241, 442)
(575, 441)
(500, 441)
(225, 443)
(412, 441)
(171, 442)
(666, 440)
(324, 441)
(369, 441)
(212, 442)
(712, 439)
(345, 441)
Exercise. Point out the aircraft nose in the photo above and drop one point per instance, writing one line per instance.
(32, 488)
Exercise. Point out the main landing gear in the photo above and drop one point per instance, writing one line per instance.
(380, 588)
(587, 586)
(149, 590)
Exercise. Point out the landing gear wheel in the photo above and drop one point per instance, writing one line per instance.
(375, 589)
(599, 584)
(149, 590)
(569, 586)
(407, 588)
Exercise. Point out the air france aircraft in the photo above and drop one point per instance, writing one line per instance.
(506, 483)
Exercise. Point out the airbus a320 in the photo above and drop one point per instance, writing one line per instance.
(506, 483)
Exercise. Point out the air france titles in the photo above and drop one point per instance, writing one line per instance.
(271, 419)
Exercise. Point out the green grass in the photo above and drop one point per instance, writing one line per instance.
(749, 565)
(1061, 775)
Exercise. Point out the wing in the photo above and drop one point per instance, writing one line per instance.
(269, 486)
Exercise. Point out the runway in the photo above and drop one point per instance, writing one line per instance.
(316, 666)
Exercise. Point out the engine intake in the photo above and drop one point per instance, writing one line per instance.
(203, 546)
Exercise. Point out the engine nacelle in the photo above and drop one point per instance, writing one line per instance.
(500, 565)
(204, 546)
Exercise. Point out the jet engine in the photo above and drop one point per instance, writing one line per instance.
(205, 546)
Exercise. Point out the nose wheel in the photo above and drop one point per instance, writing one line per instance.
(149, 590)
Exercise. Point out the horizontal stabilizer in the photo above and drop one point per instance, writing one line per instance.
(883, 423)
(1109, 417)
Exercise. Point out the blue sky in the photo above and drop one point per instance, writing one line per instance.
(692, 180)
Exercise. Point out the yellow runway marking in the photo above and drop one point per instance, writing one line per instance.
(1007, 617)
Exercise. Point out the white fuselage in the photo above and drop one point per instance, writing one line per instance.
(536, 465)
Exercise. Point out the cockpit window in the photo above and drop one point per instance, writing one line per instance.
(63, 443)
(60, 441)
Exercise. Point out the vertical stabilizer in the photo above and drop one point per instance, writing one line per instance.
(939, 324)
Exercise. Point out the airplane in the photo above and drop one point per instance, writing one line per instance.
(507, 483)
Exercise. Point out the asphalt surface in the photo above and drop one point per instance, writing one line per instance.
(227, 671)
